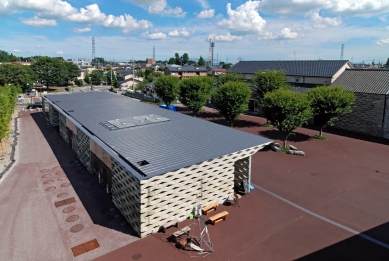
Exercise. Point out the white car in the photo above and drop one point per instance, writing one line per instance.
(20, 98)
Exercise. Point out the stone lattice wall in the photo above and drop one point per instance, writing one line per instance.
(170, 198)
(53, 116)
(62, 128)
(386, 119)
(126, 194)
(242, 170)
(366, 117)
(83, 151)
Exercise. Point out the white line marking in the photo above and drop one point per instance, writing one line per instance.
(324, 218)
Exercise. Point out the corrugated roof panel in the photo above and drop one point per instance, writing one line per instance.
(180, 142)
(364, 81)
(315, 68)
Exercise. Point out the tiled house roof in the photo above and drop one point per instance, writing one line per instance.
(316, 68)
(364, 81)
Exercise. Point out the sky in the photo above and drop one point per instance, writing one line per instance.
(241, 30)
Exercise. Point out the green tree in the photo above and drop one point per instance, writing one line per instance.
(6, 57)
(185, 58)
(49, 71)
(8, 99)
(87, 77)
(328, 103)
(286, 110)
(96, 77)
(178, 59)
(172, 60)
(71, 72)
(195, 91)
(17, 74)
(166, 87)
(268, 81)
(201, 61)
(226, 66)
(231, 99)
(229, 77)
(79, 82)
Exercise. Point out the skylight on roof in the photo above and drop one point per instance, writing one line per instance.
(132, 122)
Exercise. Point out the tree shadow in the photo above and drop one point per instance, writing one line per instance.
(276, 135)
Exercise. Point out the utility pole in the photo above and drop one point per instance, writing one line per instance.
(133, 75)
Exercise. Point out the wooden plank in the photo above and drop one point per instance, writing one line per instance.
(85, 247)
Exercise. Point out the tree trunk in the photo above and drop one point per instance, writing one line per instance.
(232, 124)
(284, 137)
(321, 132)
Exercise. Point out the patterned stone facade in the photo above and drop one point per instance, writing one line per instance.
(169, 198)
(242, 170)
(370, 116)
(53, 115)
(62, 128)
(83, 151)
(126, 194)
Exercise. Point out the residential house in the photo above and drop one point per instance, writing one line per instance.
(185, 71)
(370, 115)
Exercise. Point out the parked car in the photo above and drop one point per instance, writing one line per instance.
(20, 98)
(35, 105)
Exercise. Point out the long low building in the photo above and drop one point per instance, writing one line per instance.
(154, 163)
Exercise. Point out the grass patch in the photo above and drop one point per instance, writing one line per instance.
(284, 149)
(267, 125)
(318, 137)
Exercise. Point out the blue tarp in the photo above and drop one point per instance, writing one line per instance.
(172, 107)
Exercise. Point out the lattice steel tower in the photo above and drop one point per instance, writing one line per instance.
(93, 49)
(342, 52)
(210, 55)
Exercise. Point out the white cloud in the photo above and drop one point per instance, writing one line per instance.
(81, 30)
(39, 47)
(38, 22)
(322, 22)
(16, 51)
(287, 33)
(58, 9)
(59, 52)
(154, 36)
(245, 19)
(206, 14)
(204, 4)
(182, 33)
(225, 38)
(383, 42)
(126, 22)
(89, 14)
(346, 7)
(159, 7)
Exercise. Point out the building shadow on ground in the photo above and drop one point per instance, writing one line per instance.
(356, 247)
(276, 135)
(96, 201)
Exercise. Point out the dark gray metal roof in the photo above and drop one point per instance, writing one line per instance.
(167, 146)
(364, 81)
(186, 68)
(317, 68)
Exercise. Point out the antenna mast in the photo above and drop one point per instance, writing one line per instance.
(342, 52)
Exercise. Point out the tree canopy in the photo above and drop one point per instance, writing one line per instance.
(185, 58)
(17, 74)
(201, 61)
(8, 94)
(328, 103)
(172, 60)
(286, 110)
(231, 99)
(71, 72)
(166, 87)
(268, 81)
(96, 77)
(228, 77)
(195, 91)
(50, 71)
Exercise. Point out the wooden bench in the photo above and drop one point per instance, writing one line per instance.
(210, 207)
(182, 231)
(218, 217)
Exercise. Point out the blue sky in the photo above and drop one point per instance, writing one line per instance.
(250, 30)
